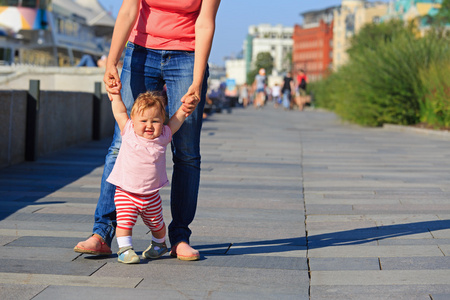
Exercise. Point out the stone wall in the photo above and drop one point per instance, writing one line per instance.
(63, 119)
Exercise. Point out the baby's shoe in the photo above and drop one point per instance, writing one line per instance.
(127, 255)
(155, 250)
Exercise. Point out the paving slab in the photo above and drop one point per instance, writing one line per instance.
(13, 291)
(415, 263)
(378, 292)
(382, 277)
(343, 263)
(69, 280)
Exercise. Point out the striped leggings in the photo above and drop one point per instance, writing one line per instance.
(129, 206)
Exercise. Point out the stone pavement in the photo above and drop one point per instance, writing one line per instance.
(292, 205)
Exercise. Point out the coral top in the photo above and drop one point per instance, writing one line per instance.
(140, 167)
(166, 25)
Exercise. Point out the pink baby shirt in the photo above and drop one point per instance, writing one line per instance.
(140, 167)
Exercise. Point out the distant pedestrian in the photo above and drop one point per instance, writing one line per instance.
(260, 88)
(301, 96)
(276, 95)
(244, 95)
(140, 171)
(302, 82)
(287, 90)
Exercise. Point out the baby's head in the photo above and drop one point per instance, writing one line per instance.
(148, 115)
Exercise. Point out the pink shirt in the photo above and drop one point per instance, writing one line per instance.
(166, 25)
(140, 167)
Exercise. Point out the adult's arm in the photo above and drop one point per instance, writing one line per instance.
(126, 18)
(204, 33)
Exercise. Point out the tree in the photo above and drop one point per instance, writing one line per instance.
(263, 60)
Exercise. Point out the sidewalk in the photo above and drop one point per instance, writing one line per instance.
(292, 205)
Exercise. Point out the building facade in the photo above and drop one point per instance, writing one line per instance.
(236, 69)
(349, 18)
(53, 33)
(277, 40)
(413, 11)
(313, 44)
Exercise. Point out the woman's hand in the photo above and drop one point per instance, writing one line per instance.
(190, 100)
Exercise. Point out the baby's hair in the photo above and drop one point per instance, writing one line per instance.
(148, 100)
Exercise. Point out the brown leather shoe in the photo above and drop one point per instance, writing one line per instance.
(93, 245)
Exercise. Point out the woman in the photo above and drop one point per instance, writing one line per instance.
(169, 43)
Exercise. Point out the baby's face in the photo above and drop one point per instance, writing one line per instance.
(148, 123)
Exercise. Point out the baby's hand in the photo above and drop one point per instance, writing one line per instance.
(189, 104)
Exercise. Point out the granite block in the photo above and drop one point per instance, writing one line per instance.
(415, 263)
(383, 277)
(343, 263)
(13, 291)
(88, 292)
(69, 280)
(376, 251)
(44, 242)
(35, 266)
(377, 292)
(192, 276)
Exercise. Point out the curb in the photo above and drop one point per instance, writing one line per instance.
(445, 134)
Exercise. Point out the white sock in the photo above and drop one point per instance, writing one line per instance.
(161, 240)
(124, 241)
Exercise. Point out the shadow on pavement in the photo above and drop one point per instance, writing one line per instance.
(26, 183)
(358, 236)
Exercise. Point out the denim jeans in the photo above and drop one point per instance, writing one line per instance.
(287, 99)
(148, 70)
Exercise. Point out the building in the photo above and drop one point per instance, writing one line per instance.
(277, 40)
(313, 44)
(413, 11)
(53, 33)
(236, 69)
(349, 18)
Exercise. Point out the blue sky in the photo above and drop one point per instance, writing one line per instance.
(235, 16)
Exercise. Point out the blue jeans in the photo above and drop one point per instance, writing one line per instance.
(287, 99)
(148, 70)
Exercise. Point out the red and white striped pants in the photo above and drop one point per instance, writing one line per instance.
(129, 206)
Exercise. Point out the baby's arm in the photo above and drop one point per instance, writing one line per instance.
(177, 120)
(119, 110)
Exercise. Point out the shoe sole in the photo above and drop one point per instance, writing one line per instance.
(150, 257)
(87, 251)
(185, 258)
(129, 262)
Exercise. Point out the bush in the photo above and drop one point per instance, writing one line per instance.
(435, 95)
(382, 82)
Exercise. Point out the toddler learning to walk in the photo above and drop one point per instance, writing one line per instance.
(140, 171)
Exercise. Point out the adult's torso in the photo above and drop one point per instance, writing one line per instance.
(166, 25)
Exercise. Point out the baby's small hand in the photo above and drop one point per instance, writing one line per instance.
(189, 104)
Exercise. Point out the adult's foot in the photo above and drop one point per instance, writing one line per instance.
(94, 245)
(183, 251)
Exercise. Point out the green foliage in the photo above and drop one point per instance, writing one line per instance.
(435, 94)
(382, 83)
(263, 60)
(443, 16)
(371, 35)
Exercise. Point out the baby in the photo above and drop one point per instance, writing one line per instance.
(140, 171)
